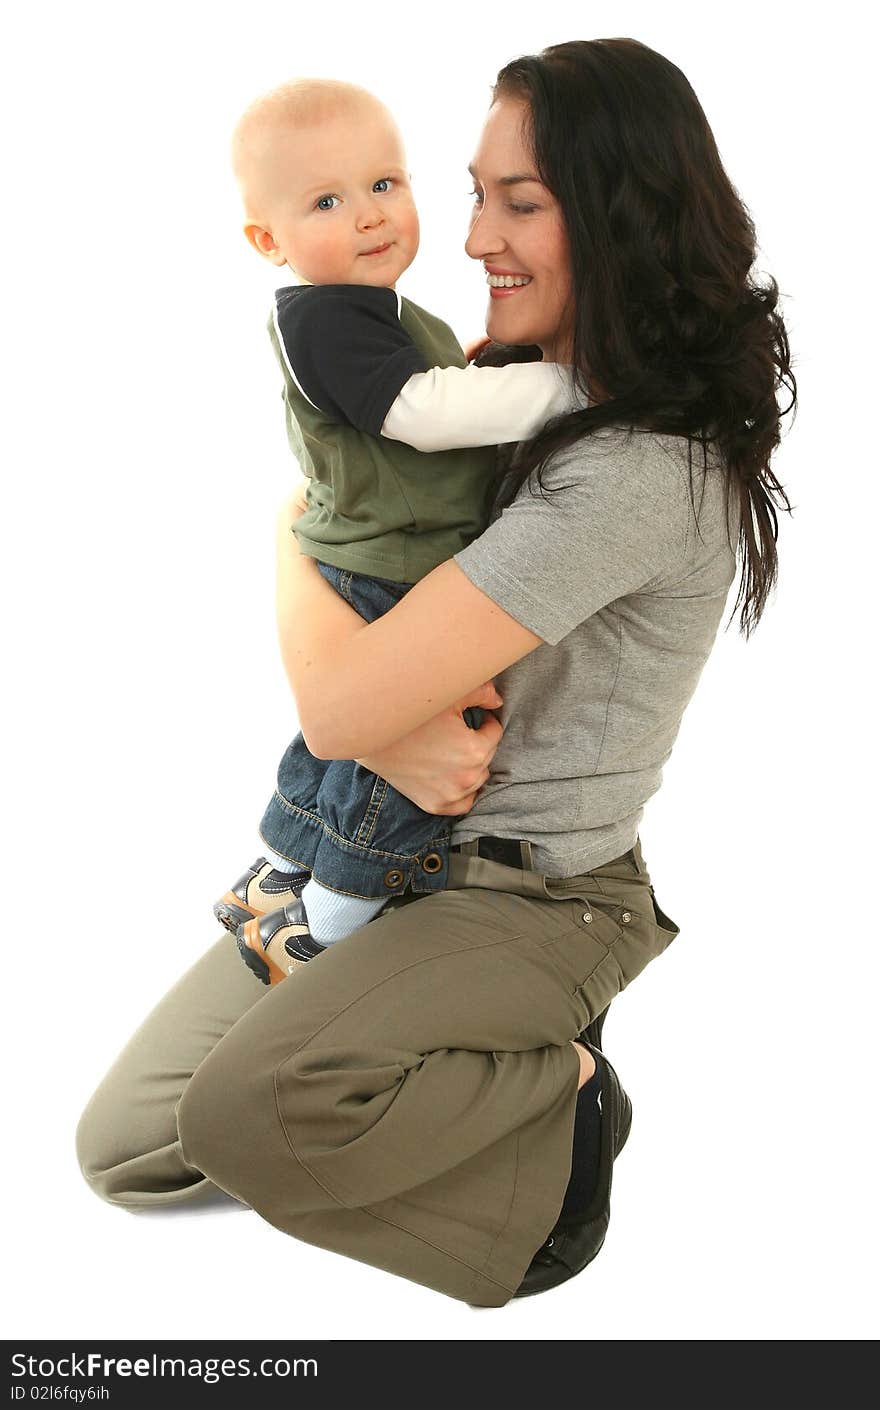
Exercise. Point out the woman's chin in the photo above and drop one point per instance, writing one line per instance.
(502, 328)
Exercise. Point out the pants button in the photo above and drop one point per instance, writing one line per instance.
(393, 878)
(432, 863)
(626, 917)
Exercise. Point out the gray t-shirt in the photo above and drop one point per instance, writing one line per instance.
(628, 595)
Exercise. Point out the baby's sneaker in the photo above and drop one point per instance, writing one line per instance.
(262, 889)
(275, 945)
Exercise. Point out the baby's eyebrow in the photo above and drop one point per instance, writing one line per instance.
(319, 190)
(516, 180)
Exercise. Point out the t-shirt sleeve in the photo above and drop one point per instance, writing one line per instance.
(347, 352)
(613, 524)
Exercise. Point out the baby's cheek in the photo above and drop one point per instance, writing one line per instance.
(325, 263)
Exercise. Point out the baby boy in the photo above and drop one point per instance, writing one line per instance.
(386, 420)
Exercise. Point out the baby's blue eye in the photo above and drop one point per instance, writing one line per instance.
(383, 185)
(325, 203)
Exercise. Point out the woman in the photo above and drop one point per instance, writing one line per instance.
(427, 1098)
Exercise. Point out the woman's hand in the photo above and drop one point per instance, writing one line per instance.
(295, 505)
(442, 765)
(286, 544)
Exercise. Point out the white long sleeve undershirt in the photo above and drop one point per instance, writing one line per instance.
(450, 408)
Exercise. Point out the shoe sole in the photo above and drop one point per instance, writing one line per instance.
(254, 961)
(258, 960)
(626, 1122)
(231, 913)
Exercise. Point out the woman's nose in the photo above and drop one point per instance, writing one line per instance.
(482, 240)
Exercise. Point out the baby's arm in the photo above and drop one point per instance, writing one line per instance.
(351, 358)
(448, 408)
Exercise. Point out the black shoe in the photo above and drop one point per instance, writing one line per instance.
(575, 1240)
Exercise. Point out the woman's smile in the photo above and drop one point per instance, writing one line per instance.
(503, 282)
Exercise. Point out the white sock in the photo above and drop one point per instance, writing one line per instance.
(332, 916)
(280, 863)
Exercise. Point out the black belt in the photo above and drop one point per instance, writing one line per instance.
(506, 850)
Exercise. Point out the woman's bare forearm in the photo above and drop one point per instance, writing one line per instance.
(441, 764)
(302, 596)
(362, 686)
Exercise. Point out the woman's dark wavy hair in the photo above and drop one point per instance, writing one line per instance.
(668, 320)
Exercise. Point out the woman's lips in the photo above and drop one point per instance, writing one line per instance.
(379, 250)
(506, 293)
(506, 281)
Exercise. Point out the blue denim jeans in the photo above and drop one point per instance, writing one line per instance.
(355, 832)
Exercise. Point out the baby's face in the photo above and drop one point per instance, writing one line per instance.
(341, 209)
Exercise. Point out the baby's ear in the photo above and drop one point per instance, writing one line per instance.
(264, 243)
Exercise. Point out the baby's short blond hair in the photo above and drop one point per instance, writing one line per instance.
(289, 108)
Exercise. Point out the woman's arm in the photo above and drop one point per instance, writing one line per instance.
(360, 687)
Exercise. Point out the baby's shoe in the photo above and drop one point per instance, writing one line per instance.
(262, 889)
(275, 945)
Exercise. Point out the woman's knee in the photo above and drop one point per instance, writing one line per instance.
(128, 1149)
(97, 1146)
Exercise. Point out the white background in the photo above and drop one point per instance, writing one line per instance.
(145, 706)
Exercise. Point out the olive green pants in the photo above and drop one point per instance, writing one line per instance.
(408, 1097)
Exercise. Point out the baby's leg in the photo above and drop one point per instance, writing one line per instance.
(362, 840)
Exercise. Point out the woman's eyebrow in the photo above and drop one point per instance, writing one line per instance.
(514, 180)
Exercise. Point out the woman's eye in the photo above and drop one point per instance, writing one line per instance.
(520, 209)
(326, 203)
(384, 185)
(477, 196)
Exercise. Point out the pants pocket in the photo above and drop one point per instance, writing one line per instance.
(666, 928)
(608, 942)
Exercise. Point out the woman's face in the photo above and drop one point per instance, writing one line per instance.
(518, 234)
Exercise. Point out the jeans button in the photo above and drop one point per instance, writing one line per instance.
(432, 863)
(626, 917)
(588, 916)
(393, 878)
